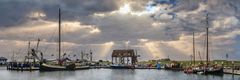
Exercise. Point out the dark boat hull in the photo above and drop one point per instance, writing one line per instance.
(46, 67)
(217, 71)
(122, 67)
(174, 69)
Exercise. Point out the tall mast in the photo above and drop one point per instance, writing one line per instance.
(59, 35)
(193, 50)
(207, 56)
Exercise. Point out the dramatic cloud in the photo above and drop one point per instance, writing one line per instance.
(155, 28)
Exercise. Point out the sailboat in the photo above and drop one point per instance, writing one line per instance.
(207, 68)
(210, 69)
(190, 69)
(45, 66)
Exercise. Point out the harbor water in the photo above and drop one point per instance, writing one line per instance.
(110, 74)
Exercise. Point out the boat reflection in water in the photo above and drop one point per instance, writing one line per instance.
(111, 74)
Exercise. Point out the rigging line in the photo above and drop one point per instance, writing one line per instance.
(204, 46)
(210, 47)
(51, 38)
(73, 52)
(35, 37)
(68, 49)
(17, 54)
(210, 43)
(63, 30)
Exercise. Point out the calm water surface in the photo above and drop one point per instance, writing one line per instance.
(109, 74)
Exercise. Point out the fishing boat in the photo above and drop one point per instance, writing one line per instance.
(61, 63)
(30, 62)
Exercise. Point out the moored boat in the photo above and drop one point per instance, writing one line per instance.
(205, 68)
(210, 70)
(30, 63)
(61, 63)
(47, 67)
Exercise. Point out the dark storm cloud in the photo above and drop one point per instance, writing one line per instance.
(15, 12)
(79, 9)
(124, 27)
(120, 28)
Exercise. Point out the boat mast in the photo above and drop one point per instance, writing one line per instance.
(193, 50)
(59, 36)
(207, 56)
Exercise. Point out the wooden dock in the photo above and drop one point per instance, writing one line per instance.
(231, 71)
(18, 66)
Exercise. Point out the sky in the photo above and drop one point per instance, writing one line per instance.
(154, 28)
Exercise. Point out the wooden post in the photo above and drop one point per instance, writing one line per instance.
(30, 68)
(116, 60)
(21, 66)
(232, 67)
(123, 60)
(127, 60)
(112, 60)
